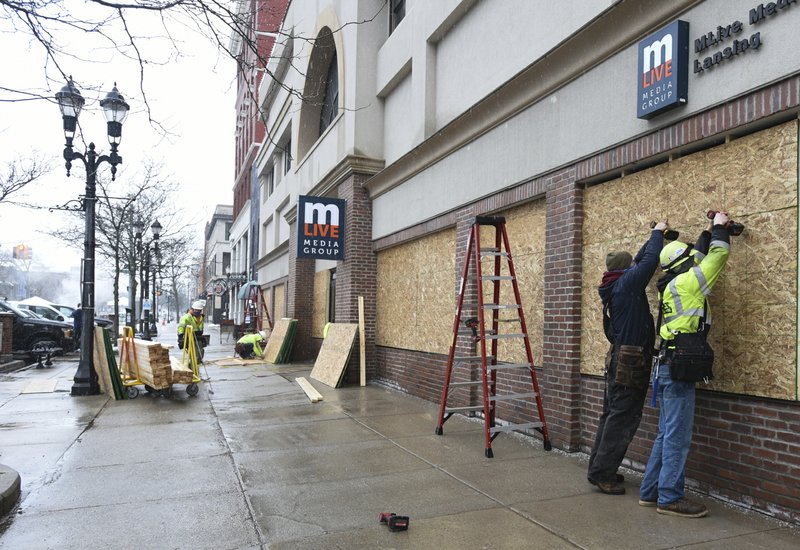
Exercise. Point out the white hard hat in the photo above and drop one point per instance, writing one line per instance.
(198, 304)
(263, 334)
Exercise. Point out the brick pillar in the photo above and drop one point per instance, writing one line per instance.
(300, 299)
(562, 310)
(464, 344)
(6, 342)
(357, 274)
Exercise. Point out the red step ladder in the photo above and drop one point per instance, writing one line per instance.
(483, 329)
(256, 309)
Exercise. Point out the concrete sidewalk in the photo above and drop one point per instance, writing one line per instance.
(252, 463)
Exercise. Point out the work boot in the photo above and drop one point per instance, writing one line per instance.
(683, 508)
(620, 478)
(610, 488)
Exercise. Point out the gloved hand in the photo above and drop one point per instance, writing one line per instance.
(721, 218)
(661, 226)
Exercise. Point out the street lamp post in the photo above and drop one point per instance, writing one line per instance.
(156, 229)
(138, 228)
(115, 109)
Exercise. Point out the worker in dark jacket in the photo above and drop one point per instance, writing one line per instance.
(629, 327)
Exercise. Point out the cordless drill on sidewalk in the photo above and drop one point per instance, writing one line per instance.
(393, 521)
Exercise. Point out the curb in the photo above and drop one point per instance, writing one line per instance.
(10, 484)
(12, 365)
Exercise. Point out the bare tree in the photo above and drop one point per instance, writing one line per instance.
(146, 32)
(20, 173)
(176, 267)
(120, 208)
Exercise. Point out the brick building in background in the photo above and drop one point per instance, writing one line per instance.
(262, 20)
(422, 115)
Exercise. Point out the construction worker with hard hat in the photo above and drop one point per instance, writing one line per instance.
(250, 346)
(192, 318)
(690, 274)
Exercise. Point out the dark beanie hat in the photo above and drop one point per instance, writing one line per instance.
(618, 260)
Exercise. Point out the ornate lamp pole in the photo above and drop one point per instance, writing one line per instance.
(138, 265)
(156, 229)
(70, 102)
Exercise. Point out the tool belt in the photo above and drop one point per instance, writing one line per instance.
(633, 366)
(689, 356)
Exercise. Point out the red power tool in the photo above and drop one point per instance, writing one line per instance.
(395, 522)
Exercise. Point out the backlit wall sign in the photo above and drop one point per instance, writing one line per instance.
(320, 228)
(663, 70)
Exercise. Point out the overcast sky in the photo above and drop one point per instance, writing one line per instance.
(193, 96)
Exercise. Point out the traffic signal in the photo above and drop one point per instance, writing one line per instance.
(22, 252)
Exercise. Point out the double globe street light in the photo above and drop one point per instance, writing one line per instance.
(156, 227)
(115, 109)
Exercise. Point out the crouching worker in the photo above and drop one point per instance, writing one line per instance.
(249, 346)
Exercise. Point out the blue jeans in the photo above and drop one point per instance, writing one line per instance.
(664, 476)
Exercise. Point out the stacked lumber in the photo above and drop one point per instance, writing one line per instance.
(154, 366)
(105, 365)
(181, 374)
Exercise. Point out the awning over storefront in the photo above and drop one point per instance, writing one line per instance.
(245, 288)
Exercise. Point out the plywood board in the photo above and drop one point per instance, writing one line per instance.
(276, 340)
(100, 363)
(334, 354)
(279, 297)
(754, 304)
(310, 390)
(416, 294)
(319, 315)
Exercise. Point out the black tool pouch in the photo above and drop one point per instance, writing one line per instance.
(633, 368)
(690, 358)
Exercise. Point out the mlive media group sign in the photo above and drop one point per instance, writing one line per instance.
(663, 70)
(320, 228)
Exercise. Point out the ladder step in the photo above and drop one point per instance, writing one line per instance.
(505, 336)
(470, 383)
(493, 252)
(498, 278)
(473, 358)
(514, 427)
(500, 306)
(459, 409)
(512, 396)
(504, 366)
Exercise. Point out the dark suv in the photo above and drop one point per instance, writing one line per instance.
(31, 334)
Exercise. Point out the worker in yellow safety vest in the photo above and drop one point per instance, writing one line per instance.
(690, 274)
(193, 318)
(249, 345)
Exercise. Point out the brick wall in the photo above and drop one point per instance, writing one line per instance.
(356, 275)
(300, 299)
(7, 320)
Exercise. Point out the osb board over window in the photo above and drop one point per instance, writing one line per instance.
(416, 294)
(279, 292)
(525, 226)
(754, 304)
(268, 300)
(319, 316)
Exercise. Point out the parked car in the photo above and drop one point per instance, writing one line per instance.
(48, 312)
(31, 334)
(69, 313)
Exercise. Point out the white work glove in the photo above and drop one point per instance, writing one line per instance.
(721, 218)
(661, 226)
